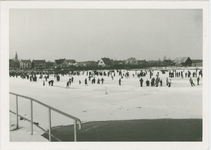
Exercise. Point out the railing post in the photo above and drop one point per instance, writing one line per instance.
(31, 117)
(49, 124)
(17, 121)
(75, 130)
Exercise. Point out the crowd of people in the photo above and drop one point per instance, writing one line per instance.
(151, 78)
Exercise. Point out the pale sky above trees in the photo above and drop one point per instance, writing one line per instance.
(90, 34)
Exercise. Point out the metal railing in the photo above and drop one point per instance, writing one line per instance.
(76, 120)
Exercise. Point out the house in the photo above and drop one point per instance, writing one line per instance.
(25, 64)
(105, 62)
(81, 64)
(49, 65)
(12, 64)
(118, 62)
(197, 63)
(91, 63)
(38, 64)
(69, 62)
(142, 62)
(59, 63)
(131, 61)
(183, 61)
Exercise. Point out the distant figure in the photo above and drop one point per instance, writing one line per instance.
(141, 82)
(68, 84)
(161, 82)
(79, 82)
(43, 83)
(147, 83)
(120, 81)
(169, 83)
(50, 82)
(102, 80)
(85, 82)
(58, 78)
(198, 80)
(191, 82)
(98, 81)
(157, 81)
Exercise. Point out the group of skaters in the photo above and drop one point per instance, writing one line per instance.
(93, 77)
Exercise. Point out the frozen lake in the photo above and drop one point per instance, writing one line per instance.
(91, 103)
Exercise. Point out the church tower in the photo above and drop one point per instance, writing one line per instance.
(16, 56)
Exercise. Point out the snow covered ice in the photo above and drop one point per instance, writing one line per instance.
(91, 103)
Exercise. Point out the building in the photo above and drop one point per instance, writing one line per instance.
(25, 64)
(59, 63)
(183, 61)
(105, 62)
(197, 63)
(12, 64)
(49, 65)
(15, 62)
(118, 62)
(81, 64)
(91, 63)
(69, 62)
(39, 64)
(131, 61)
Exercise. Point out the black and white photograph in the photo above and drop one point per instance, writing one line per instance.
(105, 73)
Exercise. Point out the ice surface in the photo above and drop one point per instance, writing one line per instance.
(97, 102)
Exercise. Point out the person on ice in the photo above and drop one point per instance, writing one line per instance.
(102, 80)
(141, 82)
(50, 82)
(98, 81)
(157, 81)
(119, 81)
(191, 82)
(198, 79)
(79, 82)
(169, 83)
(161, 82)
(85, 82)
(68, 83)
(147, 83)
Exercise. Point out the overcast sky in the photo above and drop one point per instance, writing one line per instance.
(88, 34)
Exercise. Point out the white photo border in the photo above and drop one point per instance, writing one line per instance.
(5, 8)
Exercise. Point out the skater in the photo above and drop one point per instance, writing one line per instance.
(44, 83)
(120, 81)
(169, 83)
(141, 82)
(50, 82)
(85, 82)
(102, 80)
(68, 84)
(191, 82)
(161, 82)
(198, 80)
(147, 83)
(79, 82)
(98, 81)
(157, 81)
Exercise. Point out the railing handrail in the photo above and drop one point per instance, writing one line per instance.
(63, 113)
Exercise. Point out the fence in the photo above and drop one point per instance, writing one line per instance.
(76, 120)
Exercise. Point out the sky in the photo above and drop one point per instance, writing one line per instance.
(91, 34)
